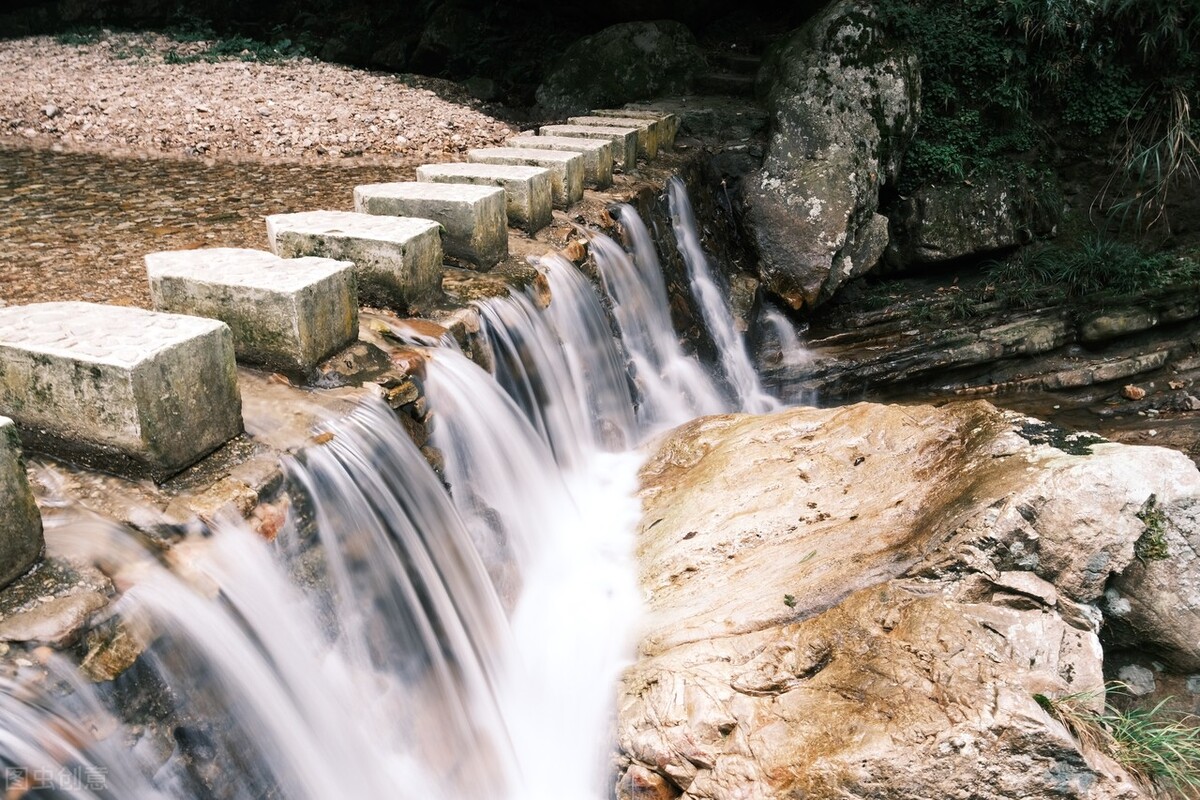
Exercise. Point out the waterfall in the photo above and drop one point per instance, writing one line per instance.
(714, 305)
(672, 387)
(398, 639)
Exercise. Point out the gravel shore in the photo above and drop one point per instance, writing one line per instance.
(141, 93)
(113, 149)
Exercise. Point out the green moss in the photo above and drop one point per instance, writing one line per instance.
(1152, 544)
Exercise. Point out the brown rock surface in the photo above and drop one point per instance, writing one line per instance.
(863, 601)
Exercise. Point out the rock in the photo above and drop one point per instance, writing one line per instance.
(829, 625)
(843, 107)
(20, 522)
(111, 649)
(453, 27)
(1138, 680)
(1131, 392)
(1155, 602)
(56, 622)
(624, 62)
(942, 223)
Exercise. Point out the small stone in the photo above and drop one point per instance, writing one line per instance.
(51, 110)
(1139, 680)
(1131, 392)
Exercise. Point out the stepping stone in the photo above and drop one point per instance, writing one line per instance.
(286, 314)
(397, 261)
(20, 523)
(625, 140)
(647, 130)
(473, 218)
(566, 169)
(597, 154)
(668, 123)
(527, 189)
(732, 83)
(140, 393)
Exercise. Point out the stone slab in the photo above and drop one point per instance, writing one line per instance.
(135, 392)
(647, 130)
(473, 218)
(526, 189)
(566, 168)
(286, 314)
(625, 140)
(397, 260)
(597, 154)
(668, 123)
(20, 523)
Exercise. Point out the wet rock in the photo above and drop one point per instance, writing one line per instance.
(20, 522)
(56, 622)
(624, 62)
(847, 628)
(843, 108)
(112, 648)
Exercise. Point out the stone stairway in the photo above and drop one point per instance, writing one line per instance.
(146, 394)
(733, 73)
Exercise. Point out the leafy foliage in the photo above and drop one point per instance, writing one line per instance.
(1095, 266)
(992, 70)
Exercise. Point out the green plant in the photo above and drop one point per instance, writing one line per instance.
(789, 600)
(78, 36)
(1090, 267)
(1157, 747)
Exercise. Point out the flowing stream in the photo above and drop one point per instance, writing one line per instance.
(397, 639)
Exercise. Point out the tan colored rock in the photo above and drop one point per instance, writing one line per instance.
(56, 621)
(862, 602)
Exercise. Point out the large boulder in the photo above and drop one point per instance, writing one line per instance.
(843, 108)
(863, 602)
(943, 223)
(625, 62)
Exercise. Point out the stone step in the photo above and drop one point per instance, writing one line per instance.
(20, 522)
(473, 218)
(597, 154)
(741, 63)
(731, 83)
(124, 390)
(625, 140)
(566, 169)
(527, 189)
(668, 123)
(397, 261)
(647, 130)
(286, 314)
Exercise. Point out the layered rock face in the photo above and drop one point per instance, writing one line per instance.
(843, 107)
(864, 601)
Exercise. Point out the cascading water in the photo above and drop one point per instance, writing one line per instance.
(714, 305)
(672, 387)
(397, 640)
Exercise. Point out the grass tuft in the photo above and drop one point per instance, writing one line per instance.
(1159, 748)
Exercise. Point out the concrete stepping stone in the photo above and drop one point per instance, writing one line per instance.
(473, 218)
(20, 523)
(566, 168)
(668, 123)
(625, 140)
(647, 130)
(286, 314)
(397, 260)
(139, 393)
(526, 189)
(597, 154)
